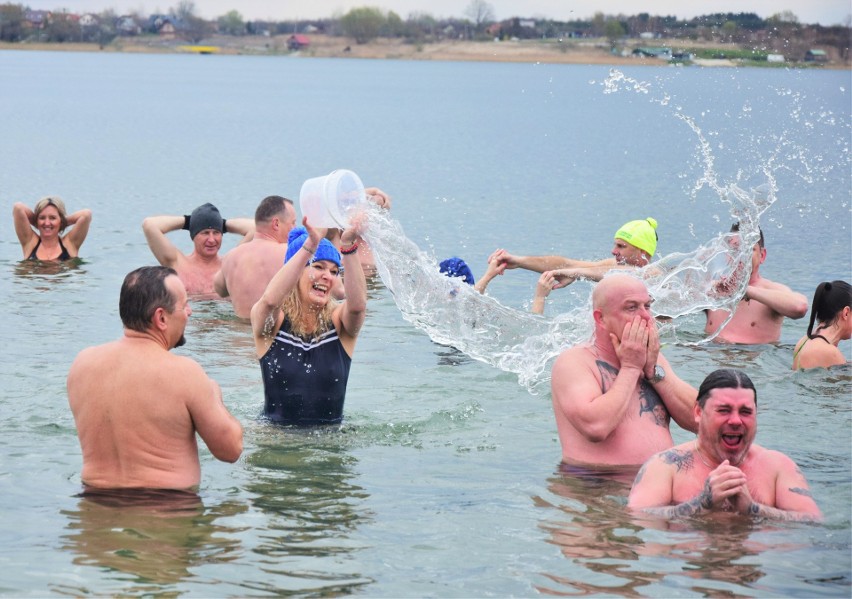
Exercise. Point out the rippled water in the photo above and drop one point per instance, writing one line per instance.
(443, 481)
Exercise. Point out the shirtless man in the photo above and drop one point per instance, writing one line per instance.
(137, 406)
(614, 397)
(723, 470)
(760, 314)
(635, 244)
(206, 227)
(248, 268)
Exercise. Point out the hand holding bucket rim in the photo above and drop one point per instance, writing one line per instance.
(328, 200)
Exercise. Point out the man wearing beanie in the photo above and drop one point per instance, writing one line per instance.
(634, 245)
(206, 227)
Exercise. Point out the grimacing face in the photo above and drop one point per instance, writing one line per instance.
(727, 424)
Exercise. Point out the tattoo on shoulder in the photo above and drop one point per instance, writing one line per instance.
(640, 474)
(801, 491)
(680, 459)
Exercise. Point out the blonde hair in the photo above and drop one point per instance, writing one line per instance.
(292, 308)
(57, 203)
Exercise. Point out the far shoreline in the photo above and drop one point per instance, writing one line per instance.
(322, 46)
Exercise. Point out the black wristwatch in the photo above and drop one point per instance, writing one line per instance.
(659, 374)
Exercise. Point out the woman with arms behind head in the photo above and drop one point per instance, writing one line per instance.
(831, 308)
(303, 337)
(50, 221)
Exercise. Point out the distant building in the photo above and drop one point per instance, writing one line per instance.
(37, 19)
(816, 56)
(774, 58)
(298, 41)
(88, 20)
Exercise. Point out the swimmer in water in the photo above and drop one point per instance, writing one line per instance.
(832, 310)
(49, 218)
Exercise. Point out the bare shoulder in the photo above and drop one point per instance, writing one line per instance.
(769, 460)
(769, 284)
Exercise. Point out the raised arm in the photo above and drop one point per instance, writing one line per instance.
(266, 310)
(155, 229)
(779, 298)
(493, 269)
(678, 395)
(24, 222)
(80, 221)
(545, 284)
(353, 310)
(240, 226)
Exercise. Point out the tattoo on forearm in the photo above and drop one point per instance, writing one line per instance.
(801, 491)
(702, 501)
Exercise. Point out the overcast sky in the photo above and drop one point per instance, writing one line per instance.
(825, 12)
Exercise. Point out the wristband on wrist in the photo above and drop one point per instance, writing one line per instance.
(186, 222)
(224, 226)
(350, 250)
(311, 251)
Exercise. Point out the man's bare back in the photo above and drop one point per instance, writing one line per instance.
(247, 269)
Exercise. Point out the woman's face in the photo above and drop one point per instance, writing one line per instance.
(317, 281)
(48, 221)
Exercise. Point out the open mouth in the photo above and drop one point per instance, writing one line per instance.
(732, 441)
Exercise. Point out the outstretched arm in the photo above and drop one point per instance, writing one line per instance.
(155, 229)
(541, 263)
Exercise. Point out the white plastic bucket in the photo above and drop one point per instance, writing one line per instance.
(328, 201)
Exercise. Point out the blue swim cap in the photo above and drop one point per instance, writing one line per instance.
(456, 267)
(325, 250)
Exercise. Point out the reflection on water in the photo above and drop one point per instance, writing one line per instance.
(302, 480)
(147, 540)
(49, 273)
(623, 554)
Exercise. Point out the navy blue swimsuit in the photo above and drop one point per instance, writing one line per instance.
(304, 382)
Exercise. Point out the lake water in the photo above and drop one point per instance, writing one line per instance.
(444, 478)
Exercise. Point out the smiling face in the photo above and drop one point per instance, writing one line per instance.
(317, 281)
(49, 222)
(727, 424)
(208, 242)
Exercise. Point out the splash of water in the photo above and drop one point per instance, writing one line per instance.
(713, 276)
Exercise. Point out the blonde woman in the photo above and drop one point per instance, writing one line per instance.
(304, 338)
(40, 230)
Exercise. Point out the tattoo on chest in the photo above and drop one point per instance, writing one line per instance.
(649, 399)
(679, 458)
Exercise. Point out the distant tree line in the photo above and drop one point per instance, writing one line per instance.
(781, 32)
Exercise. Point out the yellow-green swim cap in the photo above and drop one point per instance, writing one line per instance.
(640, 233)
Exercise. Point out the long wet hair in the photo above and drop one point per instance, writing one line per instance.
(292, 307)
(724, 378)
(57, 203)
(143, 291)
(830, 298)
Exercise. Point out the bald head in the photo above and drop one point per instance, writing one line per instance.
(613, 288)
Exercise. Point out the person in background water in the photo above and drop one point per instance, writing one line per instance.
(248, 268)
(137, 406)
(613, 397)
(759, 315)
(304, 338)
(723, 470)
(831, 308)
(635, 244)
(206, 227)
(49, 218)
(456, 267)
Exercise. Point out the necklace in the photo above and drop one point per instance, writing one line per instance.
(701, 457)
